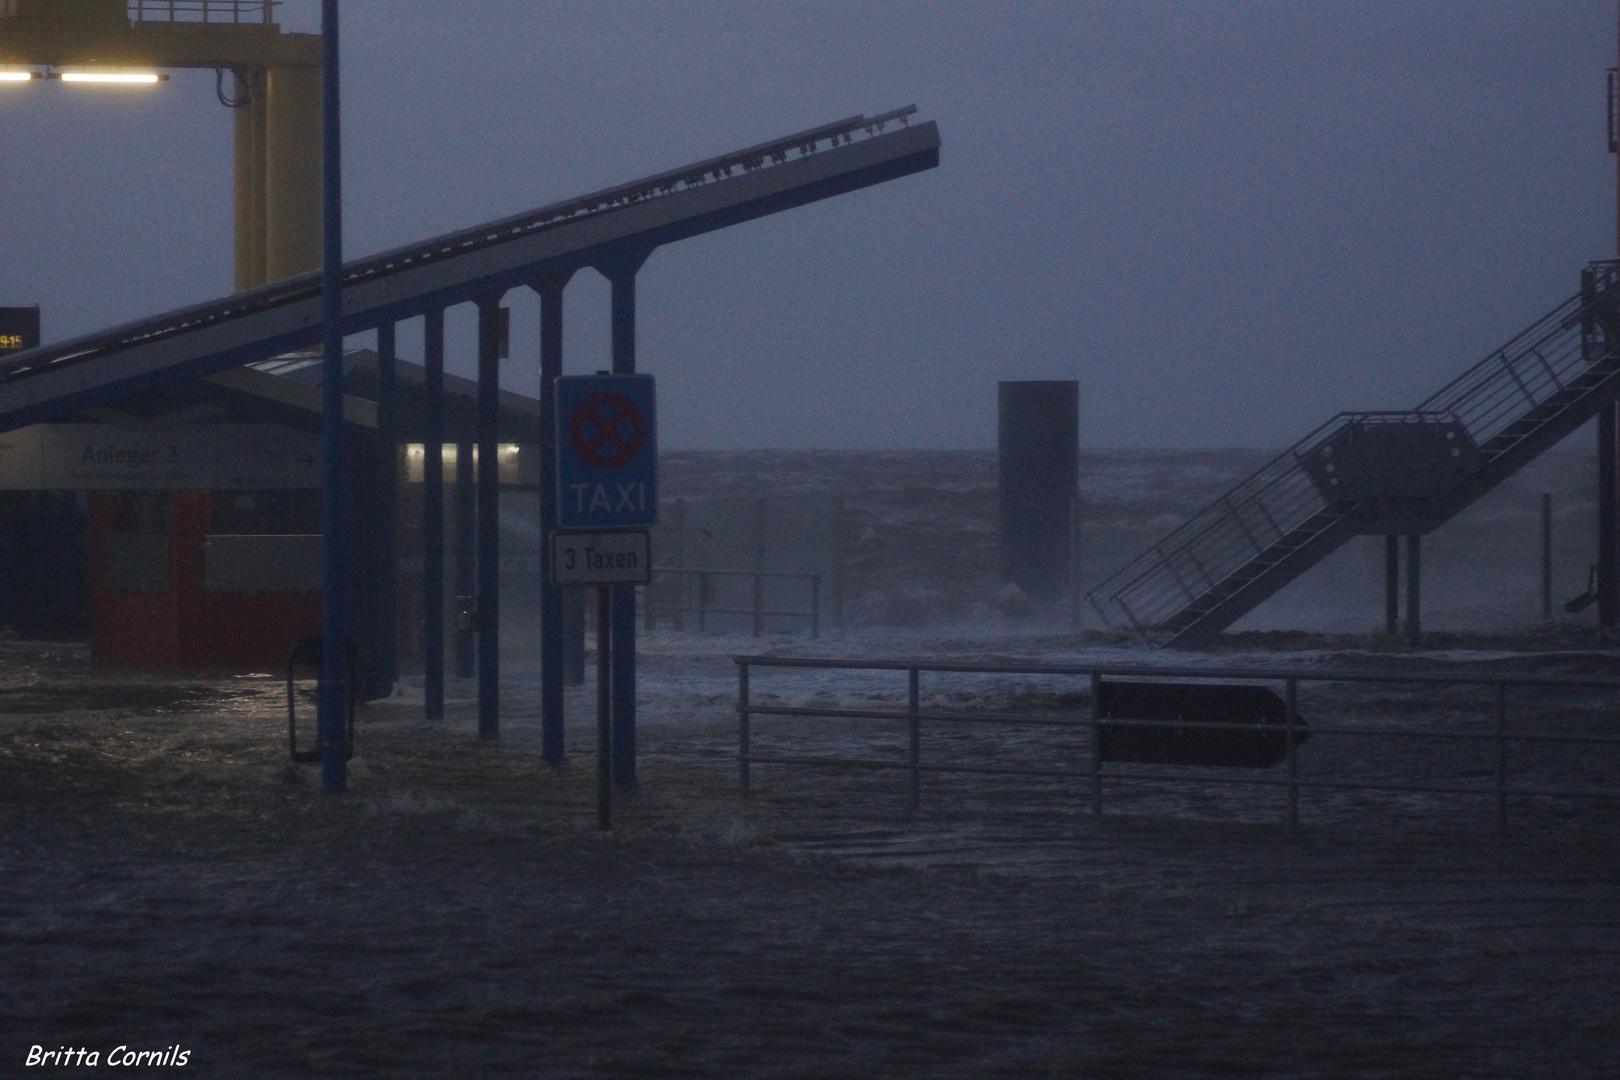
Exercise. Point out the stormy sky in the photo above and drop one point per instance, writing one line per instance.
(1226, 220)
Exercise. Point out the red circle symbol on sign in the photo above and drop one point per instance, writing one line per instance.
(606, 430)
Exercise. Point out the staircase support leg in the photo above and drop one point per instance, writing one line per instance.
(1608, 585)
(1414, 604)
(1392, 585)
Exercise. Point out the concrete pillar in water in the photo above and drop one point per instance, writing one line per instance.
(1392, 584)
(433, 516)
(491, 319)
(1414, 605)
(387, 481)
(466, 557)
(620, 269)
(553, 651)
(1038, 477)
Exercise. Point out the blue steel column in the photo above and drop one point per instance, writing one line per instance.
(433, 515)
(621, 274)
(551, 599)
(387, 642)
(334, 571)
(466, 538)
(489, 519)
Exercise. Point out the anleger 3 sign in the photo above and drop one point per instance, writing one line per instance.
(607, 452)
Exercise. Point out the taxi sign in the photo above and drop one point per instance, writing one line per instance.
(607, 452)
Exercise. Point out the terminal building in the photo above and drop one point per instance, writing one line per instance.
(182, 529)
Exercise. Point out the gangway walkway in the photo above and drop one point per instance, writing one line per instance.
(552, 241)
(1376, 473)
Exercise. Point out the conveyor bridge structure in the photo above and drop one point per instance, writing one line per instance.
(600, 229)
(1376, 473)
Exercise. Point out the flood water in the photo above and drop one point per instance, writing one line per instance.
(168, 879)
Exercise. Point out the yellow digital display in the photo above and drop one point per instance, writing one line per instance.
(19, 328)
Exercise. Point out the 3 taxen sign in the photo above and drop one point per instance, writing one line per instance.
(613, 558)
(607, 452)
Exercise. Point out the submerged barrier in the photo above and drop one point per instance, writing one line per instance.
(1181, 719)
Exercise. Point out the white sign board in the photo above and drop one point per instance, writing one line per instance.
(612, 558)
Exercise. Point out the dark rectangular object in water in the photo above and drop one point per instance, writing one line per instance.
(1191, 708)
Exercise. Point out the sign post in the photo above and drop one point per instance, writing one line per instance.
(607, 499)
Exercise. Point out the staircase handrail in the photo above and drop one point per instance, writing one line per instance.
(1504, 388)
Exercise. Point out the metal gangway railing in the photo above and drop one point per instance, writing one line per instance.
(679, 591)
(1515, 403)
(1500, 723)
(203, 11)
(253, 325)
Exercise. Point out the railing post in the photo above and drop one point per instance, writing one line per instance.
(1293, 754)
(759, 603)
(1501, 759)
(913, 699)
(742, 725)
(1096, 745)
(815, 606)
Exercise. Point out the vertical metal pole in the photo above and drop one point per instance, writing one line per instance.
(815, 606)
(604, 709)
(1096, 745)
(1501, 759)
(489, 518)
(622, 277)
(1392, 585)
(1414, 594)
(385, 580)
(1293, 754)
(433, 516)
(551, 598)
(465, 552)
(334, 569)
(1546, 559)
(759, 603)
(574, 602)
(742, 725)
(914, 752)
(1608, 582)
(1075, 606)
(759, 566)
(683, 580)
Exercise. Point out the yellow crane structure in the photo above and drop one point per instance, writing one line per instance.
(274, 88)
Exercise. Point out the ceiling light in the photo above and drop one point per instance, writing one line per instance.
(17, 76)
(140, 77)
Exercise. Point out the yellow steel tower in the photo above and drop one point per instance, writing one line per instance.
(271, 79)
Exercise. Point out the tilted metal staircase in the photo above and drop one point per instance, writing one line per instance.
(1376, 473)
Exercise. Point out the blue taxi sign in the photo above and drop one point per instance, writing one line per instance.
(607, 452)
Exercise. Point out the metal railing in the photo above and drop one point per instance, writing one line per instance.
(203, 11)
(1499, 401)
(694, 593)
(1292, 781)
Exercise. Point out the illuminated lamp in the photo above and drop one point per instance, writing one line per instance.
(111, 77)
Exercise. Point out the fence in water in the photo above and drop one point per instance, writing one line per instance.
(1501, 737)
(678, 592)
